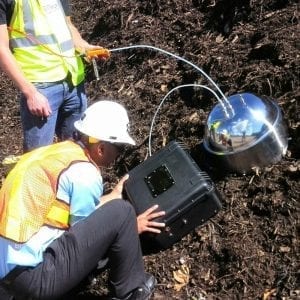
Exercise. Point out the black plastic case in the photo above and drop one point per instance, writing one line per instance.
(173, 180)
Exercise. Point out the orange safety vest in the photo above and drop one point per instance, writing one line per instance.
(28, 195)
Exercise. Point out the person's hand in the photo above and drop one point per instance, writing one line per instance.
(38, 104)
(92, 47)
(96, 52)
(116, 193)
(145, 223)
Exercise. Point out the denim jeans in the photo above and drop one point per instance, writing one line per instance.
(67, 104)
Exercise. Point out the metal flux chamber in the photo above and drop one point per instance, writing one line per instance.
(246, 132)
(243, 131)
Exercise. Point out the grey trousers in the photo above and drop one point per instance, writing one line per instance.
(111, 231)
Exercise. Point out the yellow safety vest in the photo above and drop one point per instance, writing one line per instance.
(41, 42)
(28, 195)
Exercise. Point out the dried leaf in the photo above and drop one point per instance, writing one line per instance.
(164, 88)
(11, 159)
(268, 293)
(181, 276)
(284, 249)
(219, 39)
(194, 117)
(292, 168)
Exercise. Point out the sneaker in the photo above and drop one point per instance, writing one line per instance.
(143, 292)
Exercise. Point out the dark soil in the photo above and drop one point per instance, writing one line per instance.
(250, 249)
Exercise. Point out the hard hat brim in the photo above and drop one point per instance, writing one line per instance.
(125, 139)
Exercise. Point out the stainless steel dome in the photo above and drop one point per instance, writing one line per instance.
(253, 135)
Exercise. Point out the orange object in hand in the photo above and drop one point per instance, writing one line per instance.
(98, 53)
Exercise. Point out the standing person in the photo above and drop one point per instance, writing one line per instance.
(56, 224)
(40, 51)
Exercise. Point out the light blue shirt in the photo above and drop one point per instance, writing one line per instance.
(81, 186)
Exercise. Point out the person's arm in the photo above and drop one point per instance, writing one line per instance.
(80, 44)
(145, 220)
(37, 103)
(82, 193)
(116, 193)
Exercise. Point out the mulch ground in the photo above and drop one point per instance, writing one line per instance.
(250, 249)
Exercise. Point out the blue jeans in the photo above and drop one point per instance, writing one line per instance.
(67, 104)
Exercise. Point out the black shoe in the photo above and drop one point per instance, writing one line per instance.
(143, 292)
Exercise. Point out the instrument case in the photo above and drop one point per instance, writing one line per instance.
(173, 180)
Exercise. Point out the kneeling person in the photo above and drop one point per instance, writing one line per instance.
(55, 223)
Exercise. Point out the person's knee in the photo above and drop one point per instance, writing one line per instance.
(120, 210)
(122, 206)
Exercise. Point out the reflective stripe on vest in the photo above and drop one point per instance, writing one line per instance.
(58, 215)
(41, 42)
(28, 194)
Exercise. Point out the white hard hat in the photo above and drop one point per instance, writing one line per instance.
(106, 121)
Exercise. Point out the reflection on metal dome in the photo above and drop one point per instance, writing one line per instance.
(254, 136)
